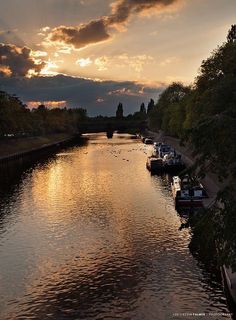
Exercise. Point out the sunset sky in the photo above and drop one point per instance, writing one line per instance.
(107, 51)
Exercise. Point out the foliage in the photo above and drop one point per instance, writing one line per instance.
(204, 115)
(17, 120)
(169, 113)
(232, 34)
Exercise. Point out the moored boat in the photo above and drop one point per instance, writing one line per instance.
(148, 141)
(173, 162)
(187, 192)
(154, 164)
(163, 149)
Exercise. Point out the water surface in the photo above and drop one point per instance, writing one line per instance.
(89, 234)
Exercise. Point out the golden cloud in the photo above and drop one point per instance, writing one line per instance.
(79, 37)
(136, 62)
(96, 31)
(48, 104)
(84, 62)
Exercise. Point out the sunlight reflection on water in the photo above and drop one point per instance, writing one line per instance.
(89, 234)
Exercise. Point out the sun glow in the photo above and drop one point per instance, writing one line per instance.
(50, 65)
(48, 104)
(84, 62)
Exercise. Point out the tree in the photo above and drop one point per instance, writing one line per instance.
(151, 105)
(16, 119)
(232, 34)
(206, 116)
(119, 111)
(212, 135)
(143, 109)
(170, 109)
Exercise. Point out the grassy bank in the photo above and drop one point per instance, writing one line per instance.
(9, 147)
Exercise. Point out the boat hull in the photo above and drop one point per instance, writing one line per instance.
(174, 168)
(188, 203)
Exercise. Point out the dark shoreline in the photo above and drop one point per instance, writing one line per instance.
(40, 148)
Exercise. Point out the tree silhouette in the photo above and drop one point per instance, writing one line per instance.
(119, 111)
(142, 108)
(232, 34)
(150, 106)
(19, 121)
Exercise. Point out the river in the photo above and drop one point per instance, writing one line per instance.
(90, 234)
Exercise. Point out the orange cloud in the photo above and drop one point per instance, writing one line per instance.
(136, 62)
(125, 91)
(38, 54)
(98, 30)
(5, 71)
(48, 104)
(79, 37)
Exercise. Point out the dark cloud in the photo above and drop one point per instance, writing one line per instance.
(16, 61)
(98, 30)
(123, 9)
(94, 31)
(96, 96)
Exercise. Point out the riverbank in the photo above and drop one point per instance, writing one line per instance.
(12, 148)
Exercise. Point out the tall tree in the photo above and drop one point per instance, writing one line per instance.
(169, 112)
(151, 105)
(119, 111)
(232, 34)
(143, 109)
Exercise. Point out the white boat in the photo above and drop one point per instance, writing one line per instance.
(186, 192)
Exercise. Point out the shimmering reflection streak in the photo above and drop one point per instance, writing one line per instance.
(91, 235)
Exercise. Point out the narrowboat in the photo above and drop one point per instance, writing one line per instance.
(187, 192)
